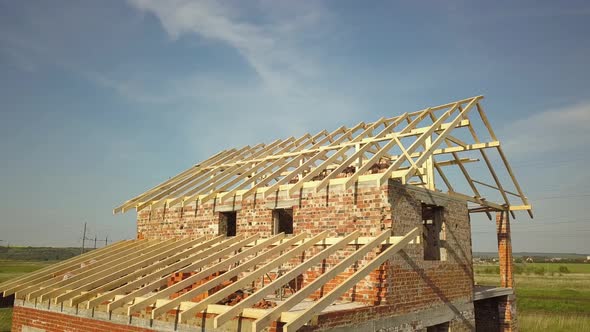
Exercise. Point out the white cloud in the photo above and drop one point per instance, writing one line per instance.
(268, 46)
(563, 129)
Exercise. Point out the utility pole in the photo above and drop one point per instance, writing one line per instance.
(83, 238)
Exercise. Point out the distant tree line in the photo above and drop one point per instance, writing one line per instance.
(37, 253)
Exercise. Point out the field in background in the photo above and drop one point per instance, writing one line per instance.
(37, 254)
(11, 269)
(548, 299)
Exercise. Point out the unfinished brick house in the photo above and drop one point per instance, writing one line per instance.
(348, 230)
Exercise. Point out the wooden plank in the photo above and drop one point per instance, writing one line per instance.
(188, 181)
(213, 183)
(131, 271)
(284, 279)
(321, 280)
(326, 180)
(200, 275)
(417, 143)
(314, 172)
(391, 127)
(450, 162)
(299, 170)
(520, 207)
(79, 270)
(441, 137)
(274, 174)
(372, 161)
(414, 122)
(514, 181)
(62, 267)
(191, 170)
(197, 185)
(76, 281)
(259, 258)
(160, 278)
(257, 273)
(496, 188)
(218, 187)
(135, 280)
(163, 308)
(479, 201)
(257, 174)
(335, 293)
(368, 140)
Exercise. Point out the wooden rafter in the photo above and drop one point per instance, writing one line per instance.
(334, 294)
(314, 162)
(208, 261)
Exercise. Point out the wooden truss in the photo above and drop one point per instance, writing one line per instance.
(131, 276)
(405, 147)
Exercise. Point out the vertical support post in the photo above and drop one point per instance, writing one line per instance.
(359, 162)
(429, 166)
(507, 304)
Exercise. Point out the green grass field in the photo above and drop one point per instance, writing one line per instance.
(536, 268)
(5, 319)
(12, 269)
(9, 270)
(551, 301)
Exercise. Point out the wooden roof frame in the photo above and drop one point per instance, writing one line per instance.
(97, 282)
(288, 166)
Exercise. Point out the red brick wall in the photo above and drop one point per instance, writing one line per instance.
(405, 283)
(340, 212)
(58, 322)
(414, 283)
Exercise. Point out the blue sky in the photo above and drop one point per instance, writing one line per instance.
(101, 100)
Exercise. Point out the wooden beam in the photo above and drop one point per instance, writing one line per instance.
(269, 168)
(221, 184)
(259, 257)
(10, 286)
(418, 142)
(479, 201)
(442, 136)
(76, 281)
(191, 170)
(189, 181)
(146, 275)
(80, 270)
(321, 280)
(258, 272)
(130, 272)
(163, 308)
(160, 278)
(282, 280)
(324, 182)
(520, 207)
(335, 293)
(495, 188)
(203, 182)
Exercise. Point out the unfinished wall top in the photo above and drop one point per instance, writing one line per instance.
(405, 147)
